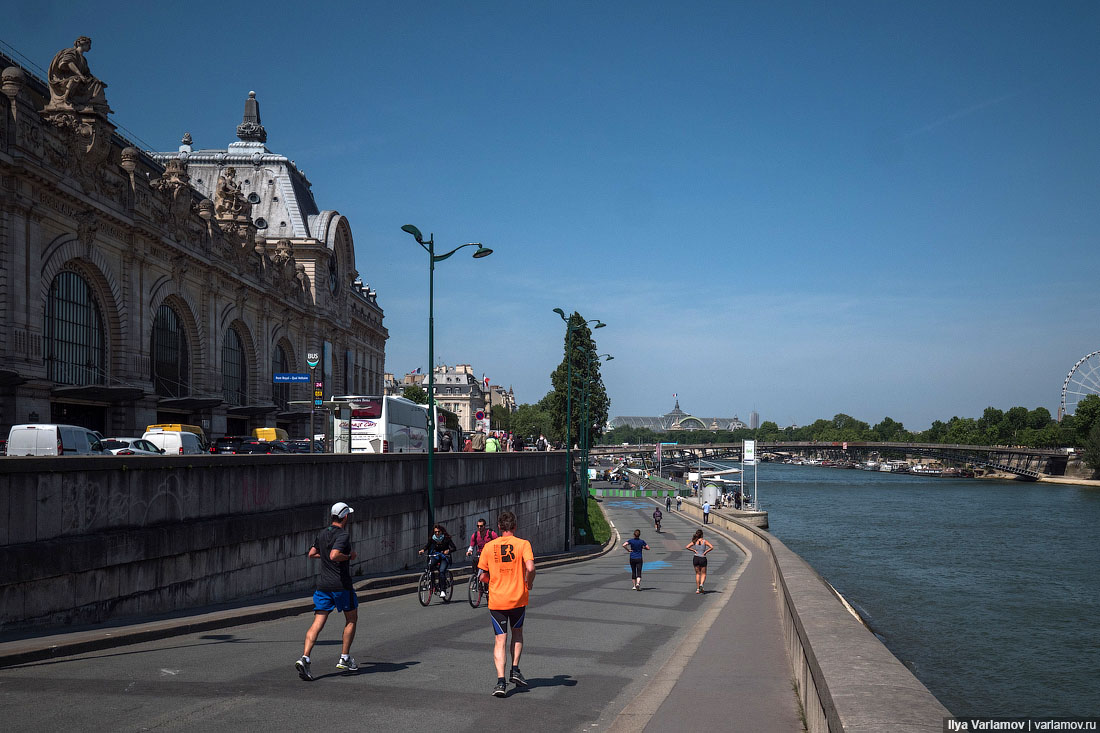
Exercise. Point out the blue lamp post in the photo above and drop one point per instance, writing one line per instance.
(429, 247)
(585, 428)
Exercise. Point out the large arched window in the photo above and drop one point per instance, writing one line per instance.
(280, 364)
(76, 351)
(171, 359)
(234, 369)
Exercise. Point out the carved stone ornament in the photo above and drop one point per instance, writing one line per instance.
(12, 81)
(229, 201)
(174, 186)
(250, 129)
(287, 275)
(86, 227)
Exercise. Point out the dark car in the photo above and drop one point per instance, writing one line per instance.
(301, 446)
(228, 444)
(280, 446)
(251, 446)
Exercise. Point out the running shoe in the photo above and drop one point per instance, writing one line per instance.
(443, 594)
(500, 690)
(303, 669)
(517, 678)
(347, 665)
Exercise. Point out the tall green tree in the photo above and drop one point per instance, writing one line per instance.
(1090, 455)
(416, 393)
(580, 363)
(500, 418)
(531, 421)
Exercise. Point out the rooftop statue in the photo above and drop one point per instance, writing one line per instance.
(229, 201)
(73, 88)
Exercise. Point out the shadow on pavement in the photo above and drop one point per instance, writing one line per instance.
(558, 680)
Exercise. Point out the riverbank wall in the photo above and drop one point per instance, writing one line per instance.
(847, 679)
(89, 539)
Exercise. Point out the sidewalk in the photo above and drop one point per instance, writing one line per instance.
(732, 674)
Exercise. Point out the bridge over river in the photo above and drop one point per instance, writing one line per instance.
(1021, 461)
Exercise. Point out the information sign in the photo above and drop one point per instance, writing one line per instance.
(289, 377)
(313, 359)
(318, 393)
(750, 451)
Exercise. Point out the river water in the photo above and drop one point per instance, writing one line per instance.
(989, 591)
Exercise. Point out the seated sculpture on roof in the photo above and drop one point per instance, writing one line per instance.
(73, 88)
(229, 200)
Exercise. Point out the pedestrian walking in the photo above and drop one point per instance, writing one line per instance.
(507, 564)
(699, 548)
(679, 502)
(479, 441)
(335, 591)
(445, 443)
(492, 443)
(668, 503)
(706, 512)
(635, 547)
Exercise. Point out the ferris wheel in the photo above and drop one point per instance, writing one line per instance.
(1083, 379)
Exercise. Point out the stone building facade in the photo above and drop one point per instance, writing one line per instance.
(140, 288)
(457, 390)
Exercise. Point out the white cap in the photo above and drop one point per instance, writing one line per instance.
(341, 510)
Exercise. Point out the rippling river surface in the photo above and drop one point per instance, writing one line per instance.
(989, 591)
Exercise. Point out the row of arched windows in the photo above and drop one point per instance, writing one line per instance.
(76, 347)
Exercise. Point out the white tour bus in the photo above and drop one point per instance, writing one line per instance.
(380, 425)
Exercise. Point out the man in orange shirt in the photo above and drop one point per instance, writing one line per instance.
(507, 564)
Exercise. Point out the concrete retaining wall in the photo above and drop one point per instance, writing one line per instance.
(847, 679)
(83, 540)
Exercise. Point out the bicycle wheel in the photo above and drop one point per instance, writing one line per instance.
(448, 584)
(424, 588)
(474, 590)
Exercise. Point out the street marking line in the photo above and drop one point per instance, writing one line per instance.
(639, 711)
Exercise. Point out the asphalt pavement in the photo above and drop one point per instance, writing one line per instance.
(598, 654)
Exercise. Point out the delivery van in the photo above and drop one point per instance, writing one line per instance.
(176, 439)
(269, 434)
(38, 439)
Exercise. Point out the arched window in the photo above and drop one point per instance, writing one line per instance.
(76, 351)
(234, 369)
(171, 358)
(280, 393)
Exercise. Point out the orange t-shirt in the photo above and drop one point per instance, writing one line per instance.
(506, 560)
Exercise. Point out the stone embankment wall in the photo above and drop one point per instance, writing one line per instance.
(847, 679)
(84, 540)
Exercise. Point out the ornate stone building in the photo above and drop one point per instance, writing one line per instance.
(677, 419)
(144, 287)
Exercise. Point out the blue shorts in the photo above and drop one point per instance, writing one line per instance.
(335, 600)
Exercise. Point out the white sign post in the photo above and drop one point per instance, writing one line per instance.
(748, 456)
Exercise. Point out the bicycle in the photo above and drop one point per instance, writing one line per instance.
(477, 590)
(430, 582)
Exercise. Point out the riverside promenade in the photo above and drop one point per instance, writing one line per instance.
(599, 656)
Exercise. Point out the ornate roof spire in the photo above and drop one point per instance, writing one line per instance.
(250, 129)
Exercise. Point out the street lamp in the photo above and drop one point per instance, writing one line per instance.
(585, 428)
(433, 258)
(570, 328)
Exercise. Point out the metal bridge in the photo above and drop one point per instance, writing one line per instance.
(1021, 461)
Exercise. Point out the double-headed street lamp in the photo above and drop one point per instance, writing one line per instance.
(433, 258)
(570, 328)
(586, 427)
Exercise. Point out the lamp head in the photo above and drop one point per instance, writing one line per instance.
(481, 251)
(609, 357)
(601, 324)
(413, 231)
(560, 312)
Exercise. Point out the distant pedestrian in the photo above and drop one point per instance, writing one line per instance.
(507, 564)
(446, 443)
(679, 502)
(668, 503)
(542, 443)
(699, 548)
(492, 444)
(468, 445)
(635, 547)
(479, 441)
(706, 512)
(335, 591)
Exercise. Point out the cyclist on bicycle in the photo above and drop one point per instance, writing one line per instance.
(657, 518)
(439, 548)
(478, 539)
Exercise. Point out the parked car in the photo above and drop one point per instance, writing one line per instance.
(227, 444)
(176, 439)
(301, 446)
(130, 447)
(3, 446)
(46, 439)
(251, 446)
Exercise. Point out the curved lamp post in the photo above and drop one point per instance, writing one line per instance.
(433, 258)
(569, 329)
(585, 428)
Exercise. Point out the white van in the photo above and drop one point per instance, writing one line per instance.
(176, 439)
(38, 439)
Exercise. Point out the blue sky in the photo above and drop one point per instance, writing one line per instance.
(803, 208)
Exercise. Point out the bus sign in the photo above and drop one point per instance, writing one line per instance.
(313, 359)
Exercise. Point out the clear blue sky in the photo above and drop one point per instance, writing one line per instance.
(875, 208)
